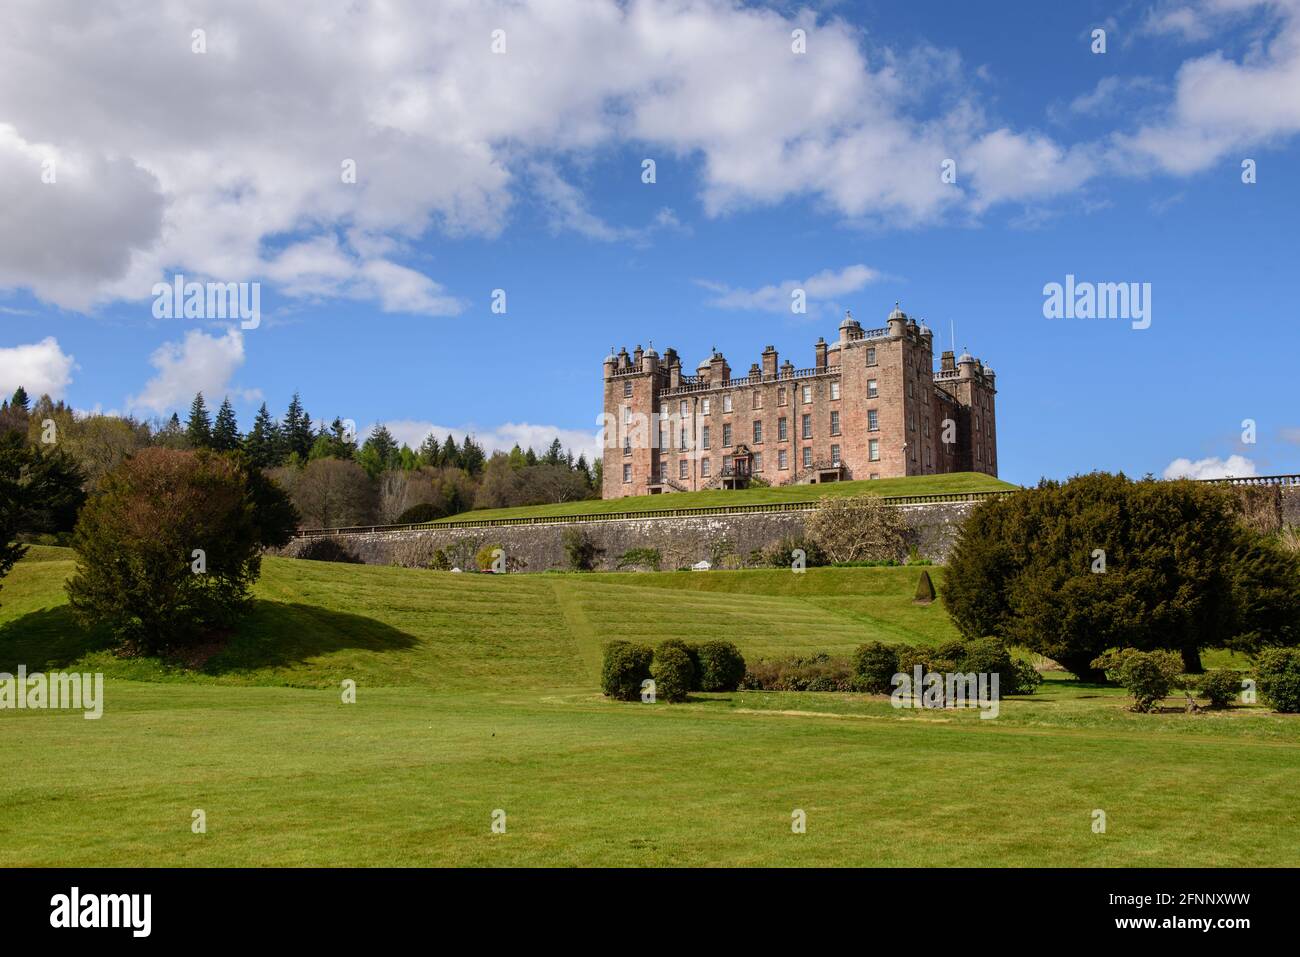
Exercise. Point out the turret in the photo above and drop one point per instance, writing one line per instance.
(897, 323)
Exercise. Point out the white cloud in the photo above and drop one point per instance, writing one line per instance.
(1221, 105)
(1234, 466)
(499, 438)
(42, 368)
(205, 163)
(822, 286)
(198, 363)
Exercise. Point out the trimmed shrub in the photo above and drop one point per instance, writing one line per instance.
(1279, 678)
(924, 589)
(1026, 678)
(672, 671)
(1147, 675)
(1220, 686)
(720, 666)
(327, 549)
(874, 667)
(692, 652)
(781, 554)
(626, 666)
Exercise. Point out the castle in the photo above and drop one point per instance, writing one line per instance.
(871, 406)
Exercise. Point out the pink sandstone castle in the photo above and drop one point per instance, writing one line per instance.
(871, 406)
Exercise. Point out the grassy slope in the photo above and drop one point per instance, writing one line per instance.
(477, 693)
(916, 485)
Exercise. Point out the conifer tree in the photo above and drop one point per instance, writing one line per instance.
(225, 431)
(198, 430)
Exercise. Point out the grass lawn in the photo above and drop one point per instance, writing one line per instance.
(478, 693)
(915, 485)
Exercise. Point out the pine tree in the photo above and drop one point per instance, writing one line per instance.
(472, 458)
(583, 469)
(198, 430)
(263, 441)
(431, 451)
(225, 431)
(530, 457)
(20, 400)
(298, 436)
(451, 454)
(555, 454)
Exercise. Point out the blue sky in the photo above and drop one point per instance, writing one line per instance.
(522, 171)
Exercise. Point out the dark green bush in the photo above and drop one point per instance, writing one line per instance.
(692, 652)
(1026, 679)
(580, 550)
(327, 549)
(719, 666)
(1279, 678)
(672, 671)
(1220, 686)
(874, 667)
(424, 512)
(626, 666)
(924, 589)
(633, 558)
(1147, 675)
(780, 554)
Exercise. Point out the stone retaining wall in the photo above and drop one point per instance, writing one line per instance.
(681, 541)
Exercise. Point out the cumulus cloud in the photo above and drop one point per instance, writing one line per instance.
(499, 438)
(1234, 466)
(42, 368)
(198, 363)
(776, 297)
(229, 164)
(1222, 105)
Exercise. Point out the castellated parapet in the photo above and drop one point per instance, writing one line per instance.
(873, 405)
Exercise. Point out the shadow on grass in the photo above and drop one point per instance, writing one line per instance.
(273, 635)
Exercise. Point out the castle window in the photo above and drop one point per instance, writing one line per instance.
(783, 459)
(627, 414)
(873, 388)
(873, 420)
(758, 399)
(807, 457)
(704, 437)
(835, 423)
(873, 450)
(911, 422)
(683, 445)
(704, 407)
(780, 395)
(758, 461)
(726, 435)
(835, 390)
(682, 408)
(627, 446)
(705, 467)
(874, 475)
(627, 473)
(871, 360)
(807, 426)
(782, 431)
(726, 402)
(627, 389)
(663, 435)
(807, 394)
(758, 431)
(835, 455)
(682, 469)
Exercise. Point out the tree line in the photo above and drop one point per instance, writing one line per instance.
(331, 478)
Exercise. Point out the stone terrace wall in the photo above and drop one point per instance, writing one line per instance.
(682, 541)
